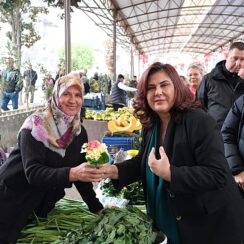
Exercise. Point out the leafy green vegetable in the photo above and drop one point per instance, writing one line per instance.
(133, 192)
(114, 225)
(66, 215)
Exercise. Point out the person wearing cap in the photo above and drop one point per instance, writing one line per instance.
(46, 160)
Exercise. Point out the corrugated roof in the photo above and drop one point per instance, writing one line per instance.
(159, 26)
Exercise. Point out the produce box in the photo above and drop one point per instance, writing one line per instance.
(114, 144)
(92, 102)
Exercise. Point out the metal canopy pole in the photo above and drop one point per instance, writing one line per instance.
(131, 62)
(67, 37)
(139, 71)
(114, 45)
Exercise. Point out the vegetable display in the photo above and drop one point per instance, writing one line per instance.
(70, 222)
(109, 114)
(66, 216)
(114, 225)
(122, 124)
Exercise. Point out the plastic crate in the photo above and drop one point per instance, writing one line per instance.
(92, 102)
(114, 144)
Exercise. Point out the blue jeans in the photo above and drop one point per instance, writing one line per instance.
(7, 96)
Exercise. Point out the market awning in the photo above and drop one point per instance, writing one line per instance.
(166, 26)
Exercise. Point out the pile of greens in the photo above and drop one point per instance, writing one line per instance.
(114, 225)
(67, 215)
(71, 223)
(133, 192)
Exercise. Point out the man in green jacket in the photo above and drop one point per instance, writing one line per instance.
(12, 85)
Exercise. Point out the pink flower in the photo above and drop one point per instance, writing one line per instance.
(93, 144)
(96, 152)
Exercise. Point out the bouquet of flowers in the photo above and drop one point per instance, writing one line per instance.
(96, 152)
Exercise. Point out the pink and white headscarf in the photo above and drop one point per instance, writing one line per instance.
(52, 127)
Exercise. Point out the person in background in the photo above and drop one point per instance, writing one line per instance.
(133, 81)
(184, 80)
(30, 78)
(195, 74)
(105, 82)
(189, 190)
(60, 72)
(46, 160)
(119, 93)
(94, 83)
(96, 77)
(233, 135)
(47, 86)
(224, 84)
(85, 82)
(12, 85)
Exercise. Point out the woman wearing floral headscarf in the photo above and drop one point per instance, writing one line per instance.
(46, 160)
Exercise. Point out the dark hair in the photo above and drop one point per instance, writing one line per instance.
(184, 99)
(120, 76)
(238, 45)
(183, 77)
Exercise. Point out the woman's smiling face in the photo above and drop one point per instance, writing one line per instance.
(194, 76)
(160, 93)
(71, 101)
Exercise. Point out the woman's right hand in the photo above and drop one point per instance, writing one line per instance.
(239, 179)
(241, 73)
(109, 171)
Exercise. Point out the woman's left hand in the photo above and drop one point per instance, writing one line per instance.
(160, 167)
(85, 172)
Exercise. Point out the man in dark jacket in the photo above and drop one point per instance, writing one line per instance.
(118, 95)
(30, 78)
(12, 86)
(233, 136)
(224, 84)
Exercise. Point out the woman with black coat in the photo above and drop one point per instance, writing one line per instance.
(189, 190)
(46, 160)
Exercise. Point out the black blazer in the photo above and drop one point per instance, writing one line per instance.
(202, 194)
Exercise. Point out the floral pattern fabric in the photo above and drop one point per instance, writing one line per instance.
(52, 127)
